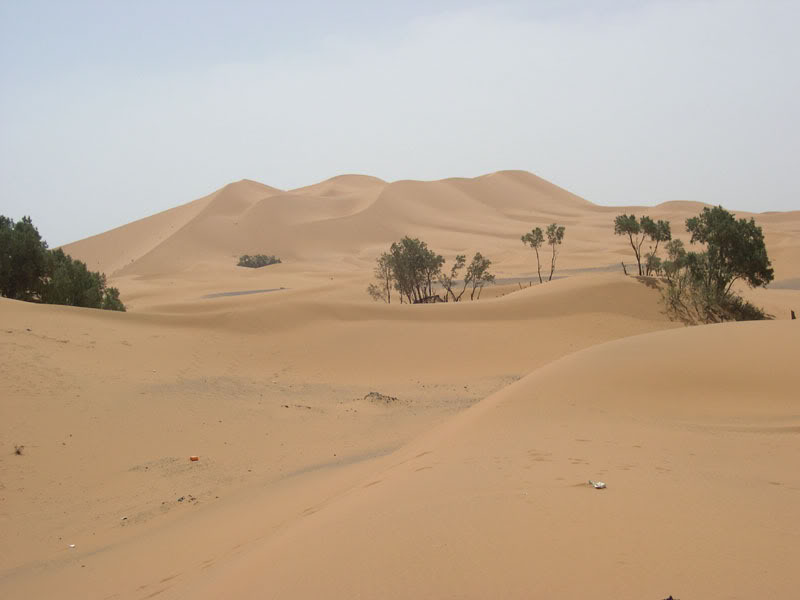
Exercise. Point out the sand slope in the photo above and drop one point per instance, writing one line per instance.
(113, 250)
(702, 500)
(466, 479)
(109, 406)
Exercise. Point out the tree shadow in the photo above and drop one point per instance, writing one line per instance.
(651, 282)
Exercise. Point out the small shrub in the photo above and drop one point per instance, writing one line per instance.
(257, 261)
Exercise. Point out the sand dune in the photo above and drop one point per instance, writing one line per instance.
(466, 478)
(348, 220)
(702, 494)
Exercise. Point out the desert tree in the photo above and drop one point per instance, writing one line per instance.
(29, 271)
(628, 225)
(638, 232)
(111, 300)
(676, 273)
(382, 290)
(658, 231)
(735, 249)
(699, 284)
(555, 235)
(415, 267)
(411, 268)
(478, 274)
(449, 281)
(535, 239)
(23, 259)
(652, 264)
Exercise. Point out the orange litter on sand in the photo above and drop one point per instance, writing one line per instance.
(194, 458)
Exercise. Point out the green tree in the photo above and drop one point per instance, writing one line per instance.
(411, 268)
(652, 264)
(29, 271)
(383, 273)
(699, 284)
(555, 235)
(111, 300)
(478, 274)
(71, 283)
(628, 225)
(449, 280)
(638, 232)
(735, 249)
(657, 231)
(535, 239)
(415, 268)
(23, 259)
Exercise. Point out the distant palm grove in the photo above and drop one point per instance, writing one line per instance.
(30, 271)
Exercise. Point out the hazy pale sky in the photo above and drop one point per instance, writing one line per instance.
(114, 110)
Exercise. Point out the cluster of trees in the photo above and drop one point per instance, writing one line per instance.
(412, 269)
(638, 232)
(699, 285)
(30, 271)
(535, 239)
(257, 260)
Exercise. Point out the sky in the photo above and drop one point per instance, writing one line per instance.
(114, 110)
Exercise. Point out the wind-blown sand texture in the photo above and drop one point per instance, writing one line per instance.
(469, 479)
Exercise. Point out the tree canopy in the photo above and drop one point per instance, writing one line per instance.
(555, 235)
(29, 271)
(415, 267)
(535, 238)
(735, 249)
(412, 269)
(700, 283)
(638, 232)
(449, 281)
(23, 259)
(478, 274)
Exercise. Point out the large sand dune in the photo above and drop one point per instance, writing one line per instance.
(348, 220)
(468, 479)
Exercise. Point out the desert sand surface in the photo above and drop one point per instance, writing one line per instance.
(467, 477)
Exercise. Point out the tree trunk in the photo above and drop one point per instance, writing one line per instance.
(636, 253)
(639, 254)
(538, 265)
